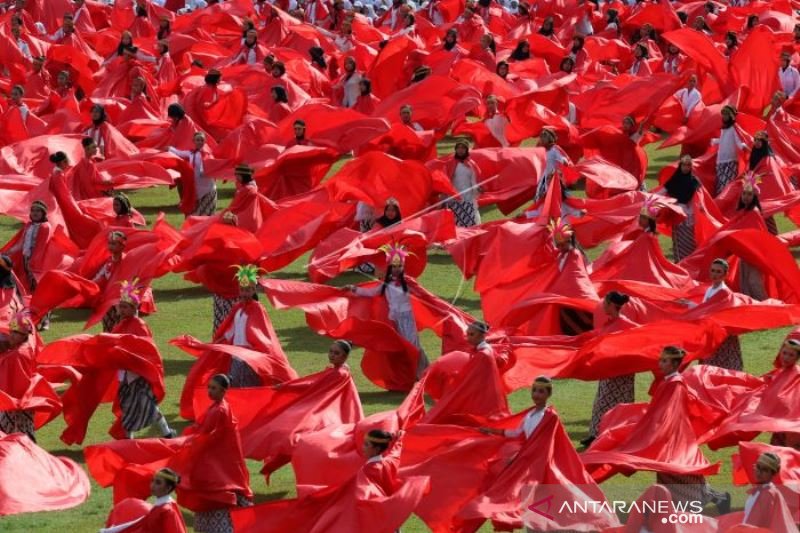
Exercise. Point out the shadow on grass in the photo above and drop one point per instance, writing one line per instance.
(75, 455)
(192, 292)
(178, 367)
(297, 340)
(382, 397)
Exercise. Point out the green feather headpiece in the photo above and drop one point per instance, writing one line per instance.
(247, 275)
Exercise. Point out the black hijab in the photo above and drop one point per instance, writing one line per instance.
(682, 186)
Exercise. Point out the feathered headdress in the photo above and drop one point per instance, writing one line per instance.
(22, 322)
(750, 182)
(396, 254)
(247, 275)
(131, 292)
(560, 230)
(651, 207)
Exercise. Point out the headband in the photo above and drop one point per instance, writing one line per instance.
(480, 326)
(378, 440)
(770, 461)
(168, 475)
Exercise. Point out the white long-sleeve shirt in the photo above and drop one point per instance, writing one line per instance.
(688, 99)
(711, 291)
(497, 127)
(729, 145)
(351, 90)
(202, 183)
(465, 182)
(790, 80)
(24, 48)
(528, 426)
(238, 334)
(399, 301)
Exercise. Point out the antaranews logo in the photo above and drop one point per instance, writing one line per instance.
(560, 507)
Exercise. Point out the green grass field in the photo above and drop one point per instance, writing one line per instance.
(184, 308)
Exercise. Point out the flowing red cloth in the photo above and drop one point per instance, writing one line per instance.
(296, 170)
(217, 109)
(23, 389)
(650, 265)
(98, 359)
(639, 98)
(477, 391)
(374, 499)
(208, 251)
(542, 467)
(499, 478)
(616, 147)
(770, 408)
(770, 512)
(166, 518)
(32, 480)
(334, 127)
(250, 207)
(389, 360)
(507, 176)
(214, 359)
(272, 419)
(754, 66)
(15, 128)
(404, 142)
(606, 352)
(757, 247)
(540, 296)
(661, 440)
(347, 248)
(208, 456)
(53, 251)
(308, 219)
(331, 456)
(375, 177)
(437, 102)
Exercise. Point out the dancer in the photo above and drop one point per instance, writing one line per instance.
(398, 298)
(164, 516)
(136, 399)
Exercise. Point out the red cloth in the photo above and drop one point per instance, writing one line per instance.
(270, 365)
(296, 170)
(371, 500)
(208, 456)
(374, 177)
(32, 480)
(389, 360)
(347, 248)
(770, 408)
(477, 391)
(661, 440)
(338, 128)
(650, 265)
(273, 418)
(488, 476)
(166, 518)
(404, 142)
(329, 457)
(98, 359)
(250, 207)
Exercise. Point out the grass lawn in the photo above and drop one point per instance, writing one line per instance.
(184, 308)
